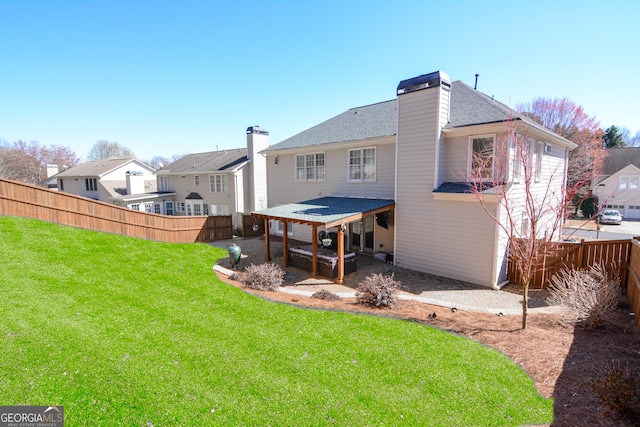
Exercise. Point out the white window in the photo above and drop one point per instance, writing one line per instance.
(362, 165)
(614, 206)
(148, 207)
(539, 153)
(156, 208)
(196, 180)
(197, 209)
(629, 182)
(481, 156)
(163, 183)
(218, 183)
(91, 184)
(219, 210)
(179, 206)
(168, 208)
(135, 207)
(310, 167)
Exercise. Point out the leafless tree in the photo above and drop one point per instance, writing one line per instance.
(27, 162)
(106, 149)
(570, 121)
(531, 199)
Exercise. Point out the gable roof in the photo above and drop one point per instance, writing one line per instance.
(100, 167)
(368, 121)
(469, 107)
(618, 158)
(211, 161)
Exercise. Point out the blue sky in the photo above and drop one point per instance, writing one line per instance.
(177, 77)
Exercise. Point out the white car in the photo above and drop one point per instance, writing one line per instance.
(610, 216)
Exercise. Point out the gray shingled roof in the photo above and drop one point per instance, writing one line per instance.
(325, 210)
(369, 121)
(96, 168)
(211, 161)
(469, 107)
(618, 158)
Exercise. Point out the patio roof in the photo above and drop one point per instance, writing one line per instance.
(326, 211)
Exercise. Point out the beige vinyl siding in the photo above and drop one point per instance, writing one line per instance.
(449, 238)
(283, 187)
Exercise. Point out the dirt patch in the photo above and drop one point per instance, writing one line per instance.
(554, 350)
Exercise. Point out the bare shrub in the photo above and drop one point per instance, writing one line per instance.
(618, 389)
(326, 295)
(263, 277)
(591, 293)
(378, 290)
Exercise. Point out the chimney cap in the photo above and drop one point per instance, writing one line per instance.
(257, 129)
(425, 81)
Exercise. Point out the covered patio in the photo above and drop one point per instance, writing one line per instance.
(327, 212)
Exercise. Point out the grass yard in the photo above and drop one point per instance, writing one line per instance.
(128, 332)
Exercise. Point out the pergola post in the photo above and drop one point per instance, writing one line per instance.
(285, 243)
(267, 252)
(314, 250)
(340, 277)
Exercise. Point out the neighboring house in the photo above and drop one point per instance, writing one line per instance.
(122, 181)
(618, 186)
(225, 182)
(393, 177)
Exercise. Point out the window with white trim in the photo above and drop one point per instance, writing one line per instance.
(280, 228)
(168, 208)
(179, 206)
(157, 208)
(481, 156)
(197, 209)
(135, 207)
(91, 184)
(196, 180)
(310, 167)
(219, 210)
(539, 153)
(148, 207)
(629, 182)
(163, 183)
(362, 165)
(218, 183)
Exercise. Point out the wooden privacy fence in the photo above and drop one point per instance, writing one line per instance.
(615, 255)
(252, 226)
(20, 199)
(633, 281)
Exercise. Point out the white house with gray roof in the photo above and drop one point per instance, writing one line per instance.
(411, 157)
(221, 182)
(114, 180)
(618, 186)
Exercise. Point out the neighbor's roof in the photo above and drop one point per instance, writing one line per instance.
(618, 158)
(212, 161)
(469, 107)
(327, 211)
(99, 167)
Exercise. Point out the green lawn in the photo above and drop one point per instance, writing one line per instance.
(128, 332)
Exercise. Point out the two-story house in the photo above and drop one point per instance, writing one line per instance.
(618, 186)
(123, 181)
(222, 182)
(395, 177)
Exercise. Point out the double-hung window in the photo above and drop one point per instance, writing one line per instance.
(163, 183)
(362, 165)
(310, 167)
(481, 153)
(218, 184)
(91, 184)
(629, 182)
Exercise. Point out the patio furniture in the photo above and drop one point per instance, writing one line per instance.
(302, 257)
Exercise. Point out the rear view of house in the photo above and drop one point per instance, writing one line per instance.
(410, 161)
